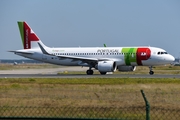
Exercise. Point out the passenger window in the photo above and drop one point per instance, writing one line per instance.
(158, 53)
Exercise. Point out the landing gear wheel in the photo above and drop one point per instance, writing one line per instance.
(151, 72)
(89, 72)
(103, 73)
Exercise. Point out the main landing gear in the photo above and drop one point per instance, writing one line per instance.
(151, 72)
(89, 72)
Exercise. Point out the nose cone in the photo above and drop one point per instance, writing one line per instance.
(171, 58)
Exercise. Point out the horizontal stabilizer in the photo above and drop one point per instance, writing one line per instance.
(23, 52)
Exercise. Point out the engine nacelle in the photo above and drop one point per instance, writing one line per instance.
(126, 68)
(106, 66)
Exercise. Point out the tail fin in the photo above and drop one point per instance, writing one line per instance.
(29, 38)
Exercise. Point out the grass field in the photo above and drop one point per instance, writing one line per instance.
(94, 90)
(90, 93)
(80, 95)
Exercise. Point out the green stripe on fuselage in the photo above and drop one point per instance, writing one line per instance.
(129, 55)
(21, 29)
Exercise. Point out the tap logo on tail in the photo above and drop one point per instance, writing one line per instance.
(27, 35)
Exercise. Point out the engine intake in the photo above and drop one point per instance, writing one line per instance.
(106, 66)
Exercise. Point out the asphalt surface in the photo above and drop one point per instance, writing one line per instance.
(52, 73)
(84, 76)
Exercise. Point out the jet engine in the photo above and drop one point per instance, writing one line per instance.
(106, 66)
(126, 68)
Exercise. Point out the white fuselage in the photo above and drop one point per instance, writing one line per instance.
(116, 54)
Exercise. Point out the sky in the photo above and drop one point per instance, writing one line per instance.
(91, 23)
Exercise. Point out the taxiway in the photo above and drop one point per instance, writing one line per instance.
(52, 73)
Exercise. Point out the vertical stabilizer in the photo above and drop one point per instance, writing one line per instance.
(29, 38)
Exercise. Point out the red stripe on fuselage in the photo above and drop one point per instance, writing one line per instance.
(142, 54)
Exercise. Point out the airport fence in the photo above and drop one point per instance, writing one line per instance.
(149, 108)
(74, 112)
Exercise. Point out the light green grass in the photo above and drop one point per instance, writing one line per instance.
(102, 81)
(26, 66)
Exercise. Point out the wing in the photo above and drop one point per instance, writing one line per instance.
(82, 58)
(88, 60)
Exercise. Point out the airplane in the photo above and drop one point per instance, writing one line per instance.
(103, 59)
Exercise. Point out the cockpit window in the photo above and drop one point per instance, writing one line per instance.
(160, 53)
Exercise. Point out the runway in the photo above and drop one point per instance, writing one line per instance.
(85, 76)
(52, 73)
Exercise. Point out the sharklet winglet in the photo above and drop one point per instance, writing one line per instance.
(42, 49)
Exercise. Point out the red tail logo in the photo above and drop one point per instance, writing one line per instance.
(29, 36)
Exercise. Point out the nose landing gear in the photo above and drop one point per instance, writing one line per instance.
(151, 72)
